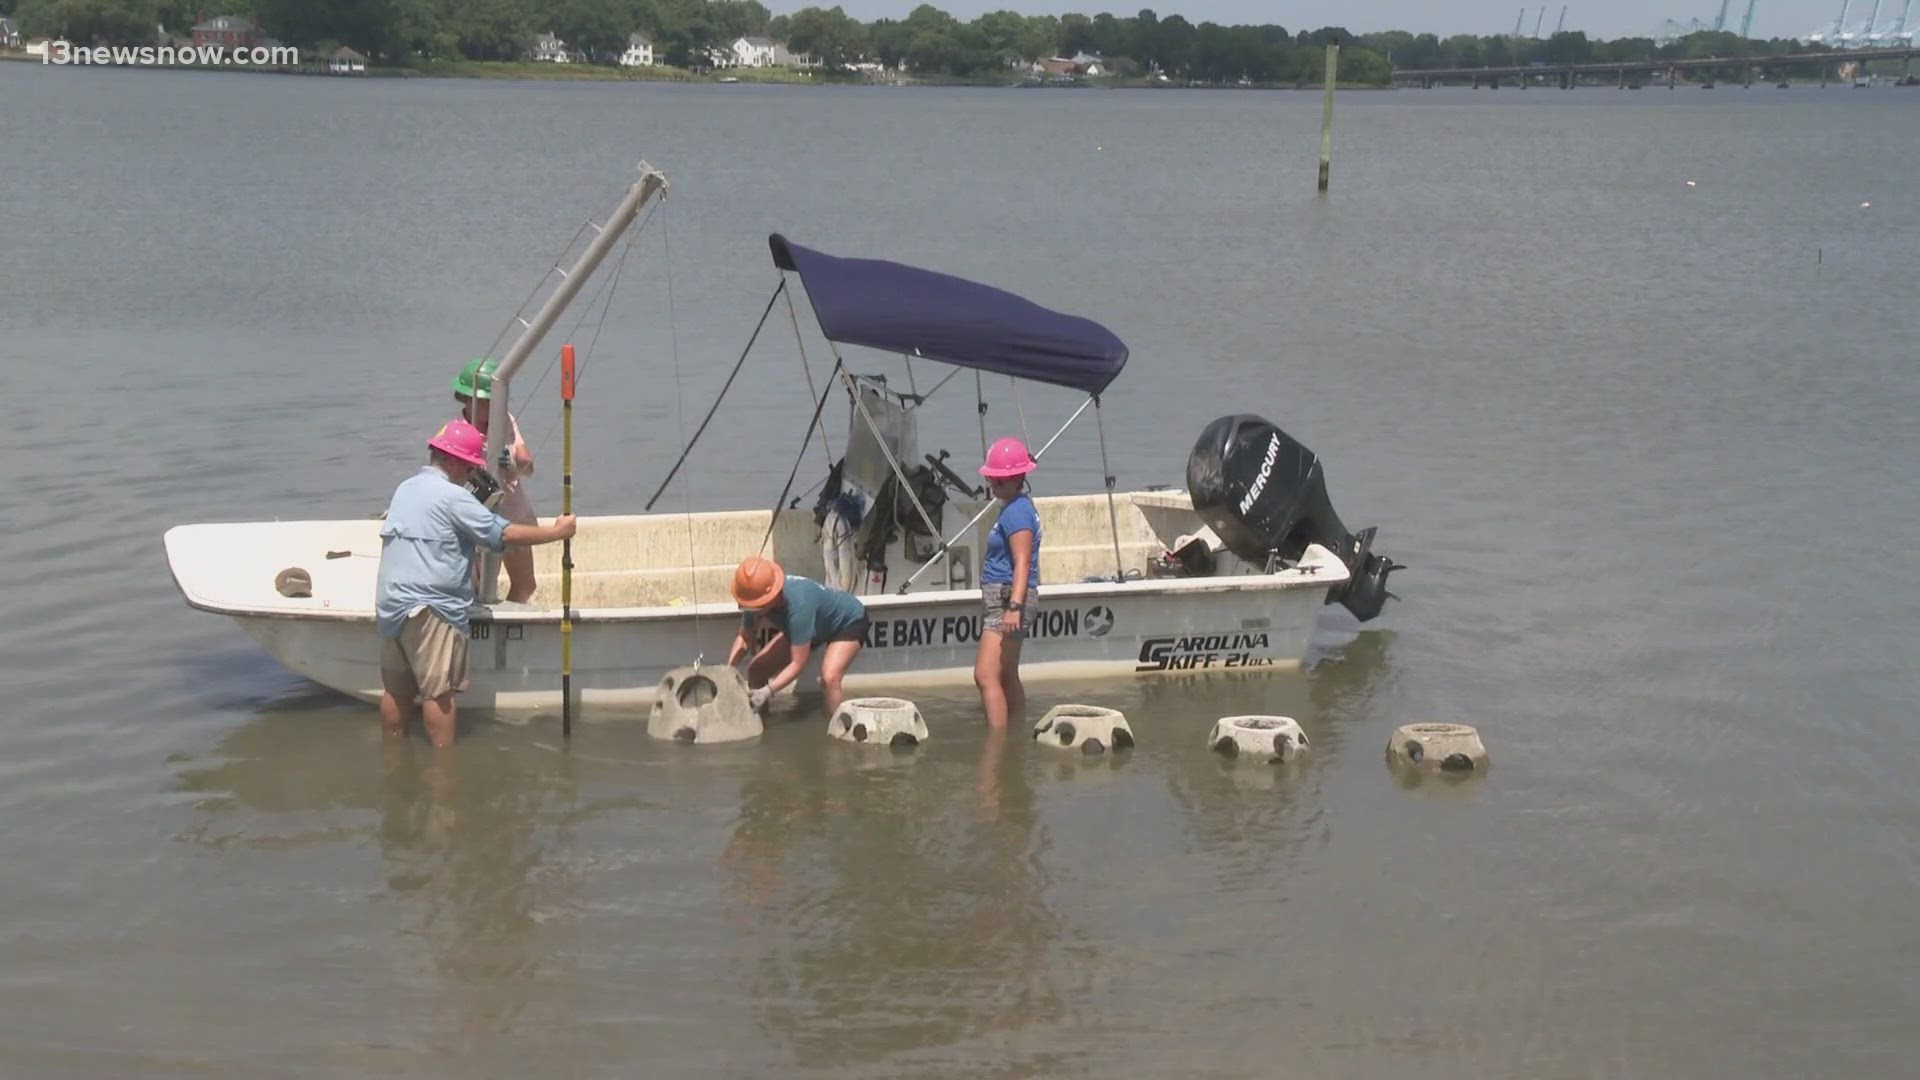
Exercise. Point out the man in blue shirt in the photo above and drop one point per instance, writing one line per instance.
(804, 614)
(424, 592)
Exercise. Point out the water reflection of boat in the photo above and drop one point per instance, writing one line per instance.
(1226, 801)
(472, 849)
(897, 909)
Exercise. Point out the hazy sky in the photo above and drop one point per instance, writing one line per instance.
(1599, 18)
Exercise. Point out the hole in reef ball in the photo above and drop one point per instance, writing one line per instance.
(901, 738)
(1457, 763)
(1092, 747)
(697, 691)
(685, 734)
(1415, 751)
(1066, 733)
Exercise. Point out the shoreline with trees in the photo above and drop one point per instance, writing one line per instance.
(741, 41)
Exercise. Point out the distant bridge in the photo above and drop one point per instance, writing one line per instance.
(1568, 74)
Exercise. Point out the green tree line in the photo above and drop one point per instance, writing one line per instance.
(927, 41)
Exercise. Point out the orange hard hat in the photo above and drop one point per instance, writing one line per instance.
(757, 582)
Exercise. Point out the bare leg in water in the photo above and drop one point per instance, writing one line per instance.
(438, 715)
(996, 671)
(833, 667)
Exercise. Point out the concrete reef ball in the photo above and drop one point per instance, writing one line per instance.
(1265, 739)
(293, 582)
(1089, 729)
(703, 705)
(1451, 748)
(878, 721)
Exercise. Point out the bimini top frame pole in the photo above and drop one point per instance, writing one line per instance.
(975, 520)
(651, 182)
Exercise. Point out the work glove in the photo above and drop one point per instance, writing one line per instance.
(759, 697)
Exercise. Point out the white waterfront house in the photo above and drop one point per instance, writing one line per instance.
(345, 61)
(9, 37)
(550, 49)
(754, 52)
(639, 51)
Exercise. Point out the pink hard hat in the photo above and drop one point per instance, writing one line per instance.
(1008, 457)
(459, 439)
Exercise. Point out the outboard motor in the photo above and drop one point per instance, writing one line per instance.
(1264, 495)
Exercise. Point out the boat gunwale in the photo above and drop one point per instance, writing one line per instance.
(1279, 580)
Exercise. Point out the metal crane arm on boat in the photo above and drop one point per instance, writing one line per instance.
(651, 182)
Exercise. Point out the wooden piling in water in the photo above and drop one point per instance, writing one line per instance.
(1326, 117)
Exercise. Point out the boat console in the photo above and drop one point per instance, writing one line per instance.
(870, 528)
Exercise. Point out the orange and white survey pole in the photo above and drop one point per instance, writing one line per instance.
(566, 546)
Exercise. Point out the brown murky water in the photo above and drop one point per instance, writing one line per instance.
(1647, 450)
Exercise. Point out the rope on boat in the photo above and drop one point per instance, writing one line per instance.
(780, 503)
(801, 343)
(552, 267)
(688, 449)
(606, 289)
(680, 420)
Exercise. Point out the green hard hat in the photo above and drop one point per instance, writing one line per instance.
(476, 379)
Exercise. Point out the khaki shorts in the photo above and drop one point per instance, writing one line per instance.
(995, 598)
(427, 660)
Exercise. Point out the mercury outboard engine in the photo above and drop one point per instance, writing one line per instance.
(1264, 495)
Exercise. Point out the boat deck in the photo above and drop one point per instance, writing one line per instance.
(662, 560)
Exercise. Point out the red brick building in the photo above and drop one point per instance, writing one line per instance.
(232, 31)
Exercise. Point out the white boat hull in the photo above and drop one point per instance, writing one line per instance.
(637, 615)
(1082, 631)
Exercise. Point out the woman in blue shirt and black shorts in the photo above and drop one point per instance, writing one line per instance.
(1009, 582)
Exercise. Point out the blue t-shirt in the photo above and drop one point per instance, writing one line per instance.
(1017, 516)
(809, 612)
(427, 545)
